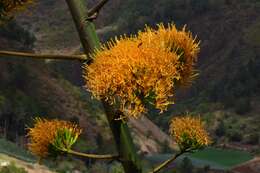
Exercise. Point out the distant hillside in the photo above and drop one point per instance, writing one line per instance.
(53, 26)
(150, 138)
(252, 166)
(31, 88)
(29, 167)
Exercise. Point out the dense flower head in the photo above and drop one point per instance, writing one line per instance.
(180, 42)
(8, 7)
(46, 135)
(142, 69)
(189, 133)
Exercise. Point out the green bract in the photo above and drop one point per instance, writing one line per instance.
(64, 140)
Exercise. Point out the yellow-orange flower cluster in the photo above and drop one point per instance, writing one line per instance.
(8, 7)
(180, 42)
(44, 132)
(189, 133)
(135, 71)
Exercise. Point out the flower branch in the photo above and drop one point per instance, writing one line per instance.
(190, 136)
(82, 57)
(94, 156)
(97, 8)
(93, 12)
(167, 162)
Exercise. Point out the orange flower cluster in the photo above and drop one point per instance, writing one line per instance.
(189, 132)
(44, 132)
(144, 69)
(7, 7)
(180, 42)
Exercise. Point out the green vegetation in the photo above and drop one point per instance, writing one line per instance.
(14, 31)
(216, 158)
(13, 150)
(252, 139)
(69, 165)
(12, 169)
(186, 166)
(252, 34)
(224, 157)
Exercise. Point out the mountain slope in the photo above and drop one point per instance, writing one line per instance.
(149, 137)
(31, 88)
(6, 160)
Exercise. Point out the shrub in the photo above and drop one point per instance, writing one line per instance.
(242, 106)
(69, 165)
(12, 169)
(98, 167)
(13, 150)
(235, 136)
(186, 166)
(220, 130)
(165, 147)
(116, 168)
(252, 139)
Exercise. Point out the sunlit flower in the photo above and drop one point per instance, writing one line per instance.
(189, 133)
(49, 136)
(179, 41)
(135, 71)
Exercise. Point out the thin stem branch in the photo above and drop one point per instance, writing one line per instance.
(94, 156)
(82, 57)
(166, 163)
(97, 8)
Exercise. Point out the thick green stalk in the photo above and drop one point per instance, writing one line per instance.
(123, 140)
(86, 29)
(90, 42)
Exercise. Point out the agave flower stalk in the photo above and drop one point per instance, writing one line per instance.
(120, 131)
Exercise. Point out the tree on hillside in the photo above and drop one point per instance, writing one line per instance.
(186, 165)
(128, 75)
